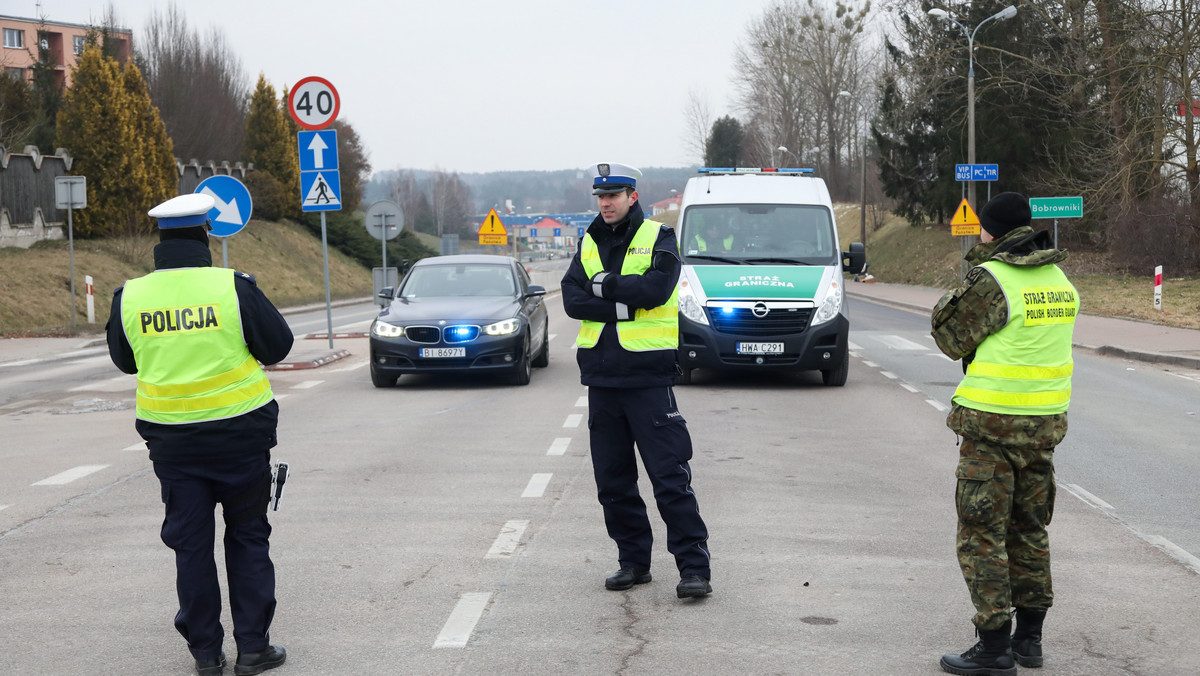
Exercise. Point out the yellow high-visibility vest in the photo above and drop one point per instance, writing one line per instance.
(1025, 368)
(653, 329)
(185, 329)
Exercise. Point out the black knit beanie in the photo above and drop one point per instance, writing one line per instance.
(1004, 213)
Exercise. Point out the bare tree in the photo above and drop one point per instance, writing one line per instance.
(198, 85)
(697, 117)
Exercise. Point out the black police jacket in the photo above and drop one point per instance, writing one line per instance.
(607, 364)
(269, 339)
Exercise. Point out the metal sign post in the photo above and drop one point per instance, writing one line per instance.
(70, 193)
(314, 105)
(377, 217)
(232, 210)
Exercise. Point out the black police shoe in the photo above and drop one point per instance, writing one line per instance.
(626, 578)
(256, 663)
(692, 586)
(211, 667)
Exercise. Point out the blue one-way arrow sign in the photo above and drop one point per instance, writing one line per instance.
(318, 150)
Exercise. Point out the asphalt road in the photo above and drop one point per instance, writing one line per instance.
(449, 525)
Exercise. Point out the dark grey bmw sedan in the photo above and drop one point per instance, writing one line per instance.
(461, 313)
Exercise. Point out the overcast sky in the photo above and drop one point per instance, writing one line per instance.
(476, 86)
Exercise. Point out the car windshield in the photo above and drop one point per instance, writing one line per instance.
(758, 234)
(441, 281)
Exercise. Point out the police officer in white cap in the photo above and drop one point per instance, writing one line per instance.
(622, 284)
(195, 335)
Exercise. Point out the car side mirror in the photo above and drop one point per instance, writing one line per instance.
(386, 293)
(535, 290)
(854, 260)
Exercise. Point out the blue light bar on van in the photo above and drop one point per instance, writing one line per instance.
(754, 170)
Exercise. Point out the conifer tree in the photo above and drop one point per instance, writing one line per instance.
(268, 145)
(154, 176)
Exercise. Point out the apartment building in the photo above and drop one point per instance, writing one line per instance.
(62, 42)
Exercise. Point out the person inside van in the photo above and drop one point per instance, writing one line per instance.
(714, 239)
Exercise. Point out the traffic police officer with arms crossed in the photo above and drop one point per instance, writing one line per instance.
(195, 335)
(1011, 323)
(622, 284)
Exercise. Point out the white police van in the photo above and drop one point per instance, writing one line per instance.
(762, 283)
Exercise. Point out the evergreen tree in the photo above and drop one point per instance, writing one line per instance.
(93, 127)
(154, 177)
(270, 146)
(724, 145)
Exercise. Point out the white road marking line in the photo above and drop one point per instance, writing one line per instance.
(307, 384)
(888, 374)
(351, 367)
(939, 354)
(899, 343)
(139, 446)
(581, 402)
(5, 506)
(281, 396)
(1175, 551)
(553, 336)
(938, 405)
(910, 388)
(457, 630)
(853, 346)
(23, 362)
(1079, 492)
(69, 475)
(537, 486)
(870, 363)
(559, 446)
(508, 539)
(573, 420)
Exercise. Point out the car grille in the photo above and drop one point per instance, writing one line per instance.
(423, 334)
(460, 334)
(742, 321)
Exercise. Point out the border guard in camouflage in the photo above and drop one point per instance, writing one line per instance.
(1010, 322)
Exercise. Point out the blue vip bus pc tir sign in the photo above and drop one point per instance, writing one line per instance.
(977, 172)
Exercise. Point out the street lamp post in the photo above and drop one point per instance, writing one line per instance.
(1004, 14)
(862, 158)
(784, 149)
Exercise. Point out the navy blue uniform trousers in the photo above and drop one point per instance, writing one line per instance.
(191, 493)
(619, 418)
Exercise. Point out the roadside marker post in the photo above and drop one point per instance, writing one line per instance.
(91, 298)
(1158, 287)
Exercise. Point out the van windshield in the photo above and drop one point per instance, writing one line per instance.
(768, 234)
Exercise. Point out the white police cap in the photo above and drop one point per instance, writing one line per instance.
(184, 210)
(609, 178)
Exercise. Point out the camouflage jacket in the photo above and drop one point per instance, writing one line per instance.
(967, 315)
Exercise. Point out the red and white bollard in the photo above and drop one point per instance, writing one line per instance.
(1158, 287)
(91, 299)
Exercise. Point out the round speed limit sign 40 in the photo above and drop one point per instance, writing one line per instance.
(314, 103)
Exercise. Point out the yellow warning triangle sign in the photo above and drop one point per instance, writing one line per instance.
(492, 225)
(964, 215)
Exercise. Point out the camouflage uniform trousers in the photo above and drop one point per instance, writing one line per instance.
(1005, 500)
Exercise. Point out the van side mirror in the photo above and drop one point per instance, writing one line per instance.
(854, 260)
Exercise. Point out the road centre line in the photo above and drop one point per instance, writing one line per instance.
(508, 539)
(573, 420)
(351, 367)
(888, 374)
(69, 475)
(870, 363)
(457, 630)
(139, 446)
(307, 384)
(910, 388)
(559, 446)
(581, 402)
(898, 343)
(938, 405)
(3, 507)
(552, 336)
(854, 346)
(537, 485)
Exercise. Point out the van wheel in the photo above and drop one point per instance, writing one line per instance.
(836, 376)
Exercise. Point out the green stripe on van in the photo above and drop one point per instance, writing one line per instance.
(759, 281)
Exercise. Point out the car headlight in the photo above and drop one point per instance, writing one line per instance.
(831, 305)
(502, 328)
(689, 306)
(385, 330)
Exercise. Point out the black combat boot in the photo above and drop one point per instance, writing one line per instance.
(1027, 639)
(991, 656)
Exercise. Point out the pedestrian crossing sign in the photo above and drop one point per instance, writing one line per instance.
(320, 191)
(965, 222)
